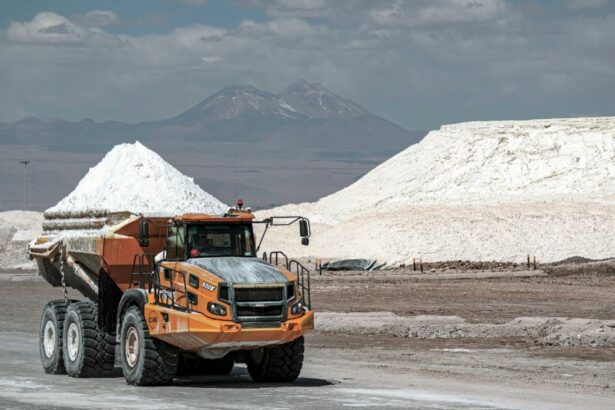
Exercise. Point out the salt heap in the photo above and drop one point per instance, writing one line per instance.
(134, 178)
(17, 228)
(481, 190)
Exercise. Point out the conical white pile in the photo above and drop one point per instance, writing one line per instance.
(481, 190)
(133, 178)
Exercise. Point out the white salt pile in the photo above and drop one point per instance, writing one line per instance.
(133, 178)
(17, 228)
(482, 190)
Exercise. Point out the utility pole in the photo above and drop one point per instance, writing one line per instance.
(25, 184)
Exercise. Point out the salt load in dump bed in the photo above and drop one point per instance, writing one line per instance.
(170, 294)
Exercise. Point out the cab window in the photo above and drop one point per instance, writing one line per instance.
(211, 240)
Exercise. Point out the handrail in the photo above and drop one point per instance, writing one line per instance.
(302, 272)
(159, 287)
(140, 258)
(277, 253)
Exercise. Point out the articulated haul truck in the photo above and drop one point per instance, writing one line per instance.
(172, 295)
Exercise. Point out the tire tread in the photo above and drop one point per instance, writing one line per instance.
(160, 359)
(98, 347)
(58, 308)
(279, 364)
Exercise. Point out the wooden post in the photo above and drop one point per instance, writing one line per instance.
(414, 264)
(421, 262)
(534, 262)
(528, 260)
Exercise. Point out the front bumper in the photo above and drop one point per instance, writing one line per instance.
(196, 332)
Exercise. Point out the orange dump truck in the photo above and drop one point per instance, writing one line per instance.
(170, 296)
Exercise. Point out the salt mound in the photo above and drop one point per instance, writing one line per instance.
(134, 178)
(491, 162)
(17, 228)
(479, 190)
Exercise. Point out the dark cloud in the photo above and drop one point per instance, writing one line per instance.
(420, 63)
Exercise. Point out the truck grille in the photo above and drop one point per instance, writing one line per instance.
(259, 304)
(259, 294)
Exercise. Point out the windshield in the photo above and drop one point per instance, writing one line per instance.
(208, 240)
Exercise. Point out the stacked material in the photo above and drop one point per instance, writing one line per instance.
(481, 191)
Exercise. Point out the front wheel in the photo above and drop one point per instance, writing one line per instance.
(280, 364)
(145, 360)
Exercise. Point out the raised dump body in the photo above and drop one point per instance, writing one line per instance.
(192, 283)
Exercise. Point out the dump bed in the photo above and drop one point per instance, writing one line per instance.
(77, 247)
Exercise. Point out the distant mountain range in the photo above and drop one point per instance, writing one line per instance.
(305, 126)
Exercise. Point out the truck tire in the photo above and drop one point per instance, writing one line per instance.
(195, 366)
(279, 364)
(50, 337)
(145, 361)
(87, 351)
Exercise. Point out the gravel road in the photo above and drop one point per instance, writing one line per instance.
(344, 369)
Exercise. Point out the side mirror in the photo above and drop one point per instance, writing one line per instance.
(143, 233)
(305, 241)
(304, 230)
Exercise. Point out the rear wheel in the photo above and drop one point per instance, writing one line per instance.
(281, 364)
(87, 351)
(145, 361)
(50, 337)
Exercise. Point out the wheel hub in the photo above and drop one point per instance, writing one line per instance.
(73, 341)
(49, 339)
(131, 347)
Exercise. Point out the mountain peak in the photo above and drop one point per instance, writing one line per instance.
(303, 84)
(234, 100)
(300, 100)
(314, 100)
(239, 88)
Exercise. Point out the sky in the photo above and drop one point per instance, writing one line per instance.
(419, 63)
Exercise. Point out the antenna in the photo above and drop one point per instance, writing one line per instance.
(235, 197)
(25, 184)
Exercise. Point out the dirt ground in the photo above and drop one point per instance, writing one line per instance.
(406, 363)
(493, 300)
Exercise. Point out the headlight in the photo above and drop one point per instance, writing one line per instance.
(216, 309)
(297, 308)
